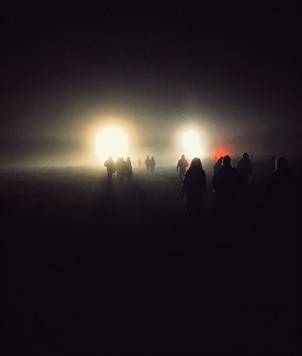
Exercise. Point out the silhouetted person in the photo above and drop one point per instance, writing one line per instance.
(217, 165)
(194, 188)
(147, 163)
(226, 184)
(282, 194)
(139, 162)
(110, 165)
(152, 164)
(128, 169)
(246, 171)
(280, 186)
(181, 167)
(120, 170)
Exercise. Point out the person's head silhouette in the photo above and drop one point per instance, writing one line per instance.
(196, 164)
(227, 161)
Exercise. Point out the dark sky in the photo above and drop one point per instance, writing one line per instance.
(232, 66)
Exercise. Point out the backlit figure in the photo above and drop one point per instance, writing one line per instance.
(194, 188)
(181, 167)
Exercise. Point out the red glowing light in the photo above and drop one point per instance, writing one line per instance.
(220, 151)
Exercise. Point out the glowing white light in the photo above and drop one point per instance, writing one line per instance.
(191, 144)
(112, 142)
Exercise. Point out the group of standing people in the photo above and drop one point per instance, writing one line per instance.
(122, 168)
(227, 182)
(244, 168)
(150, 164)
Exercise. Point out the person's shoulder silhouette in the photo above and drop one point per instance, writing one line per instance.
(129, 170)
(226, 184)
(227, 180)
(195, 177)
(194, 188)
(244, 165)
(182, 162)
(280, 184)
(152, 164)
(110, 164)
(218, 165)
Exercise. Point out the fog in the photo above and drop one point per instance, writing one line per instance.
(68, 138)
(153, 69)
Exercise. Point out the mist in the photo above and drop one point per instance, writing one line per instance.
(68, 71)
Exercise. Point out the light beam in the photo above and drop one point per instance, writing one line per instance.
(111, 141)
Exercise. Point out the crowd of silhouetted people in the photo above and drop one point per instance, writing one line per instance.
(122, 168)
(228, 182)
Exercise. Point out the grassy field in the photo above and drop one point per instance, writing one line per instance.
(89, 270)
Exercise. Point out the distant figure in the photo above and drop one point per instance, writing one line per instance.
(246, 171)
(194, 188)
(226, 184)
(152, 164)
(217, 165)
(120, 170)
(110, 165)
(139, 162)
(181, 167)
(128, 169)
(147, 163)
(280, 186)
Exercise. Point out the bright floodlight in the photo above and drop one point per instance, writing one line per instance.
(191, 144)
(112, 142)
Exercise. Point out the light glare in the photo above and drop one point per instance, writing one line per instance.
(191, 144)
(112, 142)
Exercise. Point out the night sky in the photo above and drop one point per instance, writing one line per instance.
(231, 68)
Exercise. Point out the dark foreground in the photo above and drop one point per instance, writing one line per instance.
(92, 271)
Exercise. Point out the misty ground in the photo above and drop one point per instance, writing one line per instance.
(92, 271)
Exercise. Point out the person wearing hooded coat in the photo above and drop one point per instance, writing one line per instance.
(226, 184)
(194, 188)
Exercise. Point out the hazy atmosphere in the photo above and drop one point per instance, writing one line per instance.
(151, 178)
(230, 70)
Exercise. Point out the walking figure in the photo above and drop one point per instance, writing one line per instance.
(280, 186)
(245, 169)
(110, 165)
(194, 188)
(181, 167)
(147, 163)
(129, 171)
(218, 165)
(120, 170)
(152, 165)
(282, 192)
(226, 185)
